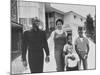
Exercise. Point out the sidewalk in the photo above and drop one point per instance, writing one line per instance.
(92, 57)
(51, 66)
(17, 66)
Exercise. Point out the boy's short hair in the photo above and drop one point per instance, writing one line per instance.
(80, 29)
(69, 35)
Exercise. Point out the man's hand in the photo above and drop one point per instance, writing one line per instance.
(24, 63)
(85, 57)
(47, 59)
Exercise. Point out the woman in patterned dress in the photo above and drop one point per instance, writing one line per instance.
(59, 38)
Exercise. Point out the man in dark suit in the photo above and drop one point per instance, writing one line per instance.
(35, 42)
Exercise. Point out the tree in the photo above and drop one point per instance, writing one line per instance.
(89, 25)
(90, 28)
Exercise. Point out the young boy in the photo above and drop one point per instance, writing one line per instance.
(71, 58)
(82, 48)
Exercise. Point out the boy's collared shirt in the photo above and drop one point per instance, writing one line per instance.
(81, 39)
(81, 44)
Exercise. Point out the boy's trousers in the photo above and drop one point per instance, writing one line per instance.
(84, 61)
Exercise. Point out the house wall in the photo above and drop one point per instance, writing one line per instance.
(58, 16)
(69, 19)
(51, 21)
(14, 10)
(52, 18)
(73, 23)
(28, 10)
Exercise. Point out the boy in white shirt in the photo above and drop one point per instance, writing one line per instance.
(71, 58)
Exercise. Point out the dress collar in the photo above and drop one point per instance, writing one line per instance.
(59, 31)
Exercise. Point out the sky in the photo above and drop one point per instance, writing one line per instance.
(83, 10)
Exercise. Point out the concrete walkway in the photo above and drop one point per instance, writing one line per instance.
(17, 66)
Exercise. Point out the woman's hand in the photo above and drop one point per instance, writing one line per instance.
(63, 54)
(24, 63)
(47, 59)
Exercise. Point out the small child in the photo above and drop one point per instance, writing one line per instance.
(71, 58)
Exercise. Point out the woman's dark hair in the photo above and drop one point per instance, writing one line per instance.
(59, 20)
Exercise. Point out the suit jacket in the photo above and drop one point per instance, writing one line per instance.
(34, 42)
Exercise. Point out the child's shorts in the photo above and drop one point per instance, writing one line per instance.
(72, 68)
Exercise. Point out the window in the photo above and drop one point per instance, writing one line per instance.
(74, 16)
(81, 19)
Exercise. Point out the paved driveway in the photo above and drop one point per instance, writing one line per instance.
(17, 66)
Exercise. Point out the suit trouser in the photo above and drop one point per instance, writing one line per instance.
(59, 60)
(36, 62)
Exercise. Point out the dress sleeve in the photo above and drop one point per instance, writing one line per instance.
(66, 33)
(45, 44)
(52, 35)
(65, 48)
(51, 41)
(24, 46)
